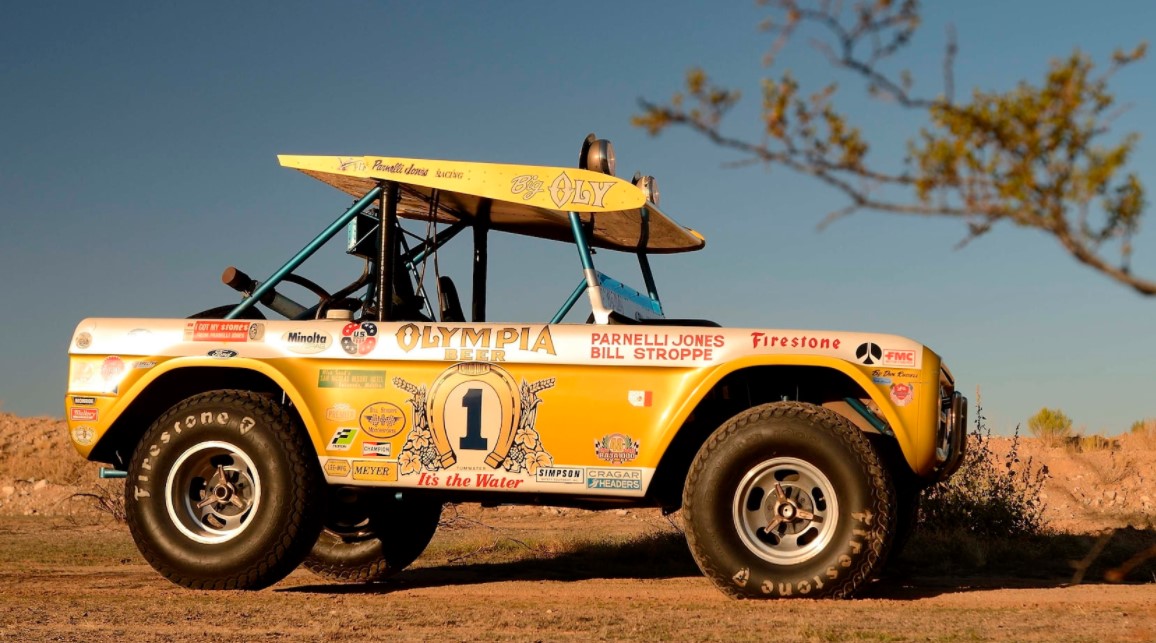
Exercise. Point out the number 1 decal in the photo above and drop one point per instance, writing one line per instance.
(489, 413)
(473, 439)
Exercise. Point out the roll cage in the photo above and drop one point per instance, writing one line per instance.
(580, 206)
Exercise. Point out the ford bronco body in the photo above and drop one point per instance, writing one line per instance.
(333, 436)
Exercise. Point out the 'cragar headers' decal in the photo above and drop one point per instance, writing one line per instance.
(474, 416)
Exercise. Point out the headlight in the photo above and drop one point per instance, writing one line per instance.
(648, 185)
(597, 154)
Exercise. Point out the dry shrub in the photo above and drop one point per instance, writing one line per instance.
(106, 497)
(1143, 433)
(987, 497)
(1088, 443)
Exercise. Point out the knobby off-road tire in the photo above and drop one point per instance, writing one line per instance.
(369, 536)
(222, 492)
(788, 499)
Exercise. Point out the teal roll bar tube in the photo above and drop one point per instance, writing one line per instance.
(644, 261)
(306, 252)
(573, 299)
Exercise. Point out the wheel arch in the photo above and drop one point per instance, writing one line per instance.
(151, 398)
(730, 392)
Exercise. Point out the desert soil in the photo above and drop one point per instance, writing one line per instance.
(68, 572)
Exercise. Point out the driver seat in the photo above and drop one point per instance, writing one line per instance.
(451, 306)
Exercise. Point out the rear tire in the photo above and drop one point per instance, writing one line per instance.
(221, 493)
(788, 499)
(370, 536)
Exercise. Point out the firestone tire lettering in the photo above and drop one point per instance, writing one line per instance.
(849, 541)
(219, 494)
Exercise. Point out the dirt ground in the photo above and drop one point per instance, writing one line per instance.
(71, 573)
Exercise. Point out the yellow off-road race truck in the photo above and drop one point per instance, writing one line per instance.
(333, 434)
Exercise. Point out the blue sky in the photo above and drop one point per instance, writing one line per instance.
(138, 144)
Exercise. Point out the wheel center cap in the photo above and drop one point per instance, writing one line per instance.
(223, 492)
(787, 510)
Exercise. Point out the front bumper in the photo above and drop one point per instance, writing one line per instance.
(951, 438)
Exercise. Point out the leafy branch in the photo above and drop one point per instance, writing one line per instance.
(1034, 156)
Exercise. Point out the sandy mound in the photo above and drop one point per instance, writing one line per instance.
(1087, 490)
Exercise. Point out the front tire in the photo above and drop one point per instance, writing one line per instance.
(221, 493)
(369, 536)
(788, 500)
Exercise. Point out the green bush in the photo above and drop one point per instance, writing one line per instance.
(987, 497)
(1052, 426)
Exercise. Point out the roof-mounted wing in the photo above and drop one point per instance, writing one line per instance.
(522, 199)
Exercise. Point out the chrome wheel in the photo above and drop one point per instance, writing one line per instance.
(212, 492)
(785, 510)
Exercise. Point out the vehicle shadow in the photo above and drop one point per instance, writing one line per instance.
(655, 556)
(930, 565)
(934, 564)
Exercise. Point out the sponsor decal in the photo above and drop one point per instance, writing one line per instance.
(224, 331)
(640, 398)
(400, 168)
(344, 378)
(869, 353)
(616, 448)
(340, 412)
(83, 400)
(111, 369)
(337, 468)
(359, 338)
(881, 380)
(222, 353)
(83, 435)
(376, 449)
(475, 344)
(350, 164)
(902, 393)
(893, 357)
(342, 439)
(564, 475)
(477, 481)
(490, 416)
(563, 190)
(83, 414)
(306, 342)
(375, 470)
(527, 185)
(83, 340)
(144, 364)
(657, 346)
(382, 420)
(618, 479)
(82, 373)
(887, 373)
(763, 340)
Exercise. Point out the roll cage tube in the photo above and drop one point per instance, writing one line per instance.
(591, 282)
(306, 252)
(373, 278)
